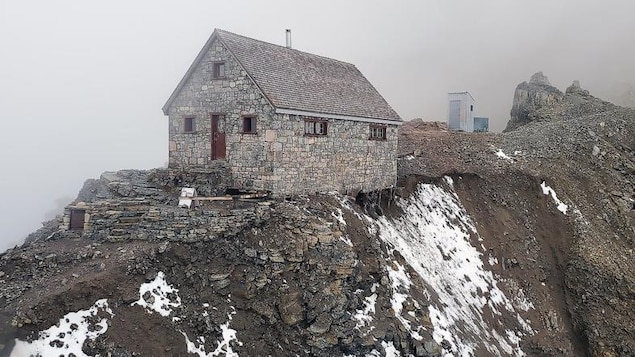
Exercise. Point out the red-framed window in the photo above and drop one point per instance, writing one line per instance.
(218, 70)
(315, 127)
(377, 132)
(249, 124)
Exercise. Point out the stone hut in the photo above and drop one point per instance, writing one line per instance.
(281, 120)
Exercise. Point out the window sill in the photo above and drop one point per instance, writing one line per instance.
(189, 132)
(316, 135)
(250, 132)
(377, 139)
(220, 78)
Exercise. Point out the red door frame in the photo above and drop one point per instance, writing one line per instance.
(218, 137)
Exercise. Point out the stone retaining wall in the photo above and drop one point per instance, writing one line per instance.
(136, 218)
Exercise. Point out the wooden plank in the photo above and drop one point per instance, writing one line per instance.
(228, 197)
(219, 198)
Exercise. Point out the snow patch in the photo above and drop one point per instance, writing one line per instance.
(502, 155)
(344, 202)
(400, 283)
(158, 296)
(521, 302)
(346, 240)
(433, 235)
(550, 192)
(68, 335)
(339, 216)
(390, 349)
(364, 316)
(223, 348)
(492, 260)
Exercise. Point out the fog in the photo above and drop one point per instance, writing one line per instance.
(82, 82)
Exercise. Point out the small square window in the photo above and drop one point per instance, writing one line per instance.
(188, 125)
(218, 70)
(377, 132)
(249, 125)
(315, 127)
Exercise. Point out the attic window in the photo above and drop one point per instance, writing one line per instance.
(218, 70)
(315, 127)
(249, 124)
(188, 125)
(377, 132)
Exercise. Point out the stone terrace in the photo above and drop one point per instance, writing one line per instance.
(143, 205)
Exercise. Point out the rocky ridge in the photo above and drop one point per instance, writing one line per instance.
(538, 100)
(536, 222)
(584, 148)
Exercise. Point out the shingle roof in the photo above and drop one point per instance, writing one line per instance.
(296, 80)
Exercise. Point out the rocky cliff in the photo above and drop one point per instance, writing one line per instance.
(538, 100)
(513, 244)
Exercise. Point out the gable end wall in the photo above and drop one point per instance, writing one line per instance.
(236, 95)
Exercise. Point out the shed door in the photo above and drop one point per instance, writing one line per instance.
(77, 219)
(218, 137)
(454, 122)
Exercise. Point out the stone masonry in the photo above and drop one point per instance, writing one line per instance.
(279, 157)
(143, 205)
(137, 218)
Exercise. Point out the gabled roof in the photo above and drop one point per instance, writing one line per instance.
(299, 81)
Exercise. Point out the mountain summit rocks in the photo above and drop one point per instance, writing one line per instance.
(540, 79)
(529, 98)
(539, 101)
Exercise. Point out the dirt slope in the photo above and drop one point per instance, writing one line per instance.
(578, 268)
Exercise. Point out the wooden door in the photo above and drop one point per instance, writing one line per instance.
(77, 219)
(218, 137)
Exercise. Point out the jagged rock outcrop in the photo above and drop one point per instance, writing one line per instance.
(575, 88)
(539, 101)
(529, 97)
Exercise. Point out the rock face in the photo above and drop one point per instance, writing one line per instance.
(529, 98)
(539, 101)
(575, 88)
(298, 281)
(585, 151)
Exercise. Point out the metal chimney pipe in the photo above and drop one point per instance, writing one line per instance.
(288, 38)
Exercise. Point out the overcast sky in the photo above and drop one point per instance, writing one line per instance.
(82, 82)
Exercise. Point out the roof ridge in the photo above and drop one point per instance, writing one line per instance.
(298, 80)
(221, 31)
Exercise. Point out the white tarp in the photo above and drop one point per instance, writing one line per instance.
(187, 193)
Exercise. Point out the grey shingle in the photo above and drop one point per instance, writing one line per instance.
(297, 80)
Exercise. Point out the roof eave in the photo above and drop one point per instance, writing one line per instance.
(188, 74)
(397, 121)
